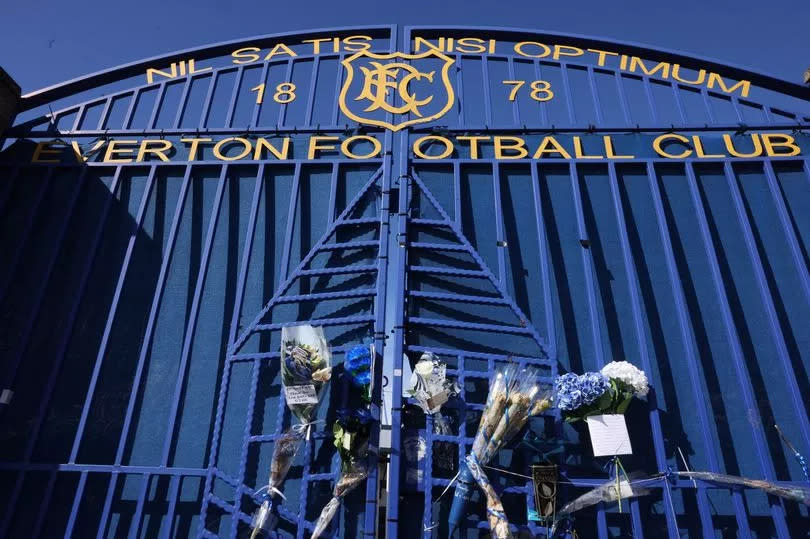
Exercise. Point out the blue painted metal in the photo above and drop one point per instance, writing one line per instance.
(189, 271)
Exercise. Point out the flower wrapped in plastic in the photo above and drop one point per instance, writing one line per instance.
(430, 388)
(358, 365)
(788, 492)
(352, 430)
(609, 391)
(515, 395)
(305, 369)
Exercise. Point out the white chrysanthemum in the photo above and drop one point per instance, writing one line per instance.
(629, 374)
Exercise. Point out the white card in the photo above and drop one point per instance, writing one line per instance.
(609, 435)
(304, 394)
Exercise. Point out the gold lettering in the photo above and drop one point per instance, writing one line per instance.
(609, 149)
(676, 74)
(246, 147)
(417, 147)
(514, 143)
(240, 56)
(786, 142)
(151, 72)
(473, 144)
(550, 145)
(195, 142)
(45, 148)
(544, 48)
(280, 48)
(600, 61)
(579, 154)
(658, 146)
(262, 144)
(717, 80)
(313, 145)
(349, 43)
(471, 44)
(316, 44)
(112, 151)
(699, 149)
(164, 145)
(345, 147)
(565, 50)
(77, 151)
(733, 151)
(636, 62)
(419, 41)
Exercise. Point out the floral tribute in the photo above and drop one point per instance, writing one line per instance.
(609, 391)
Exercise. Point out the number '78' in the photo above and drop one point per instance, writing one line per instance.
(541, 89)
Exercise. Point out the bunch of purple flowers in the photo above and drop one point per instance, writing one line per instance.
(573, 392)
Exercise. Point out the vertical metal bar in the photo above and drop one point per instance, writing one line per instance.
(333, 181)
(487, 97)
(638, 324)
(628, 116)
(105, 113)
(135, 526)
(543, 107)
(787, 228)
(243, 455)
(515, 108)
(282, 108)
(294, 196)
(181, 107)
(338, 84)
(206, 109)
(690, 350)
(499, 234)
(77, 499)
(44, 505)
(105, 512)
(457, 194)
(257, 107)
(799, 408)
(676, 94)
(311, 97)
(588, 269)
(569, 99)
(111, 314)
(736, 351)
(545, 274)
(460, 88)
(133, 104)
(708, 105)
(237, 85)
(161, 95)
(174, 487)
(79, 117)
(597, 103)
(650, 99)
(195, 302)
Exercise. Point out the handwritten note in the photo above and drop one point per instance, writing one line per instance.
(609, 435)
(304, 394)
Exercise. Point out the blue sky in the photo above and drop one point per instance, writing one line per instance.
(46, 42)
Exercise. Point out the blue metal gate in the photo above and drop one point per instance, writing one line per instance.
(142, 298)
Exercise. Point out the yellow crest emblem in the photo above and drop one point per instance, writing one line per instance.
(388, 91)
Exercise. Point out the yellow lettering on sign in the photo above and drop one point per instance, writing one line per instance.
(246, 55)
(637, 63)
(44, 148)
(419, 41)
(313, 145)
(346, 147)
(515, 144)
(659, 142)
(112, 151)
(609, 153)
(246, 147)
(473, 144)
(676, 74)
(733, 151)
(600, 61)
(780, 140)
(264, 144)
(550, 145)
(543, 51)
(82, 157)
(316, 44)
(356, 43)
(195, 142)
(698, 144)
(717, 80)
(280, 48)
(160, 151)
(565, 50)
(579, 154)
(177, 69)
(471, 45)
(417, 146)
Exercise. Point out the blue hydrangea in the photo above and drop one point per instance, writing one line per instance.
(572, 391)
(358, 365)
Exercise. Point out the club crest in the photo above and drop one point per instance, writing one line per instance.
(388, 91)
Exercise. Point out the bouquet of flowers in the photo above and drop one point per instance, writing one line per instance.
(609, 391)
(358, 365)
(305, 369)
(352, 430)
(431, 388)
(796, 494)
(514, 396)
